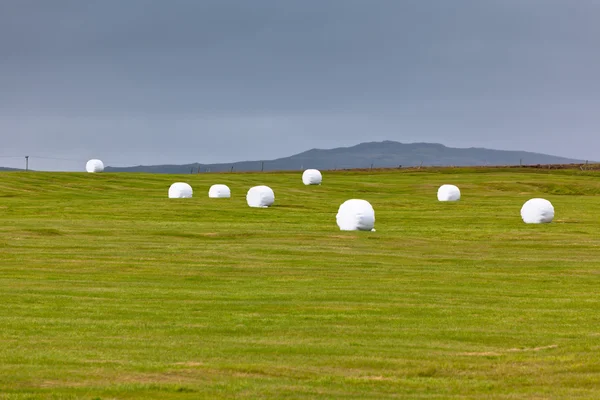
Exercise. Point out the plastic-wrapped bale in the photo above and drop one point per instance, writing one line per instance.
(94, 166)
(180, 190)
(356, 215)
(448, 193)
(312, 177)
(219, 192)
(260, 196)
(537, 211)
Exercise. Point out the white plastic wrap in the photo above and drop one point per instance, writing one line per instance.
(219, 192)
(356, 215)
(448, 193)
(94, 166)
(260, 196)
(537, 211)
(312, 177)
(180, 190)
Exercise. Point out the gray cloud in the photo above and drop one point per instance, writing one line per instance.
(141, 81)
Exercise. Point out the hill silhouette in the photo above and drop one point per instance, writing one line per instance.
(364, 155)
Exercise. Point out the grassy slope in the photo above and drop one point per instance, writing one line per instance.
(110, 290)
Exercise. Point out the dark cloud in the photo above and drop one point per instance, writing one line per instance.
(141, 81)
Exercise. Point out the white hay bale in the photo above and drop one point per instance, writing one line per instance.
(448, 193)
(180, 190)
(356, 215)
(94, 166)
(260, 196)
(537, 211)
(312, 177)
(219, 192)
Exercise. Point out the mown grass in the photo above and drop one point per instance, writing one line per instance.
(109, 290)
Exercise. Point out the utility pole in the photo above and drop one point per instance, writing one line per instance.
(26, 163)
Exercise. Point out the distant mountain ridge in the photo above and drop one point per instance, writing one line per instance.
(384, 154)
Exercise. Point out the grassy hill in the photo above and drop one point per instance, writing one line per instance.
(378, 154)
(108, 289)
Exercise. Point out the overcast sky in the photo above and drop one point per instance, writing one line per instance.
(154, 81)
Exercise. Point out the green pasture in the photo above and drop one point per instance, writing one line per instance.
(110, 290)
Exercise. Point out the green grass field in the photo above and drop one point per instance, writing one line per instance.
(110, 290)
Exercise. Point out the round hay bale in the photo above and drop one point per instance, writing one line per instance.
(180, 190)
(356, 215)
(448, 193)
(219, 192)
(94, 165)
(537, 211)
(312, 177)
(260, 196)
